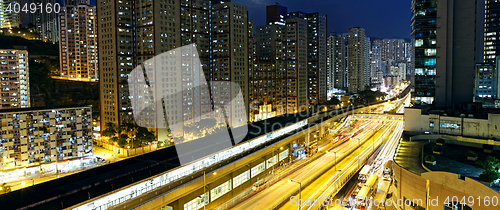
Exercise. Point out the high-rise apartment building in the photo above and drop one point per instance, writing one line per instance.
(297, 63)
(491, 31)
(357, 60)
(14, 75)
(78, 42)
(278, 83)
(316, 46)
(276, 14)
(229, 61)
(9, 19)
(45, 22)
(330, 62)
(392, 49)
(220, 33)
(41, 135)
(340, 49)
(267, 85)
(455, 54)
(424, 15)
(375, 64)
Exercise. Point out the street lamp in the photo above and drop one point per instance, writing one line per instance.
(300, 190)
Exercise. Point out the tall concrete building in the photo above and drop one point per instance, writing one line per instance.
(455, 55)
(424, 15)
(392, 49)
(491, 31)
(220, 33)
(297, 62)
(229, 61)
(340, 49)
(78, 42)
(14, 74)
(45, 22)
(317, 68)
(9, 19)
(375, 64)
(357, 60)
(278, 83)
(267, 85)
(330, 62)
(276, 14)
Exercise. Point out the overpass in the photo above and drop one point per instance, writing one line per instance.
(379, 117)
(151, 180)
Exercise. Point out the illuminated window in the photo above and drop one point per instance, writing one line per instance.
(197, 203)
(220, 190)
(258, 169)
(419, 42)
(283, 155)
(430, 52)
(242, 178)
(272, 161)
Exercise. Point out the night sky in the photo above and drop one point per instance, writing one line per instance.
(380, 18)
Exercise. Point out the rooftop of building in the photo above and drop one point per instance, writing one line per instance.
(43, 108)
(469, 110)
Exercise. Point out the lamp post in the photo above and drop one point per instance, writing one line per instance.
(300, 190)
(204, 189)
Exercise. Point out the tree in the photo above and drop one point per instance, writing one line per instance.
(109, 132)
(330, 105)
(490, 167)
(144, 135)
(368, 97)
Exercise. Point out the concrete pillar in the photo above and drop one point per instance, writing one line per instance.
(306, 140)
(321, 131)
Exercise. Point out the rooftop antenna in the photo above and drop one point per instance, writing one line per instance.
(277, 3)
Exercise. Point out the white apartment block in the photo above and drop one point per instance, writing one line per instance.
(33, 136)
(14, 76)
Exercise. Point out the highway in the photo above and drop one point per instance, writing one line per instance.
(387, 153)
(324, 174)
(371, 135)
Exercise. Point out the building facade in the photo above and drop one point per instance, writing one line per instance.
(424, 15)
(78, 42)
(375, 64)
(8, 19)
(209, 25)
(317, 56)
(14, 73)
(35, 136)
(486, 82)
(455, 54)
(229, 61)
(45, 23)
(491, 31)
(297, 82)
(357, 60)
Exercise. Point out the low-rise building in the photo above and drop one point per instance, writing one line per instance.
(481, 124)
(34, 136)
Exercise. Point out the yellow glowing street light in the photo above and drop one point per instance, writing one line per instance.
(215, 173)
(281, 148)
(128, 147)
